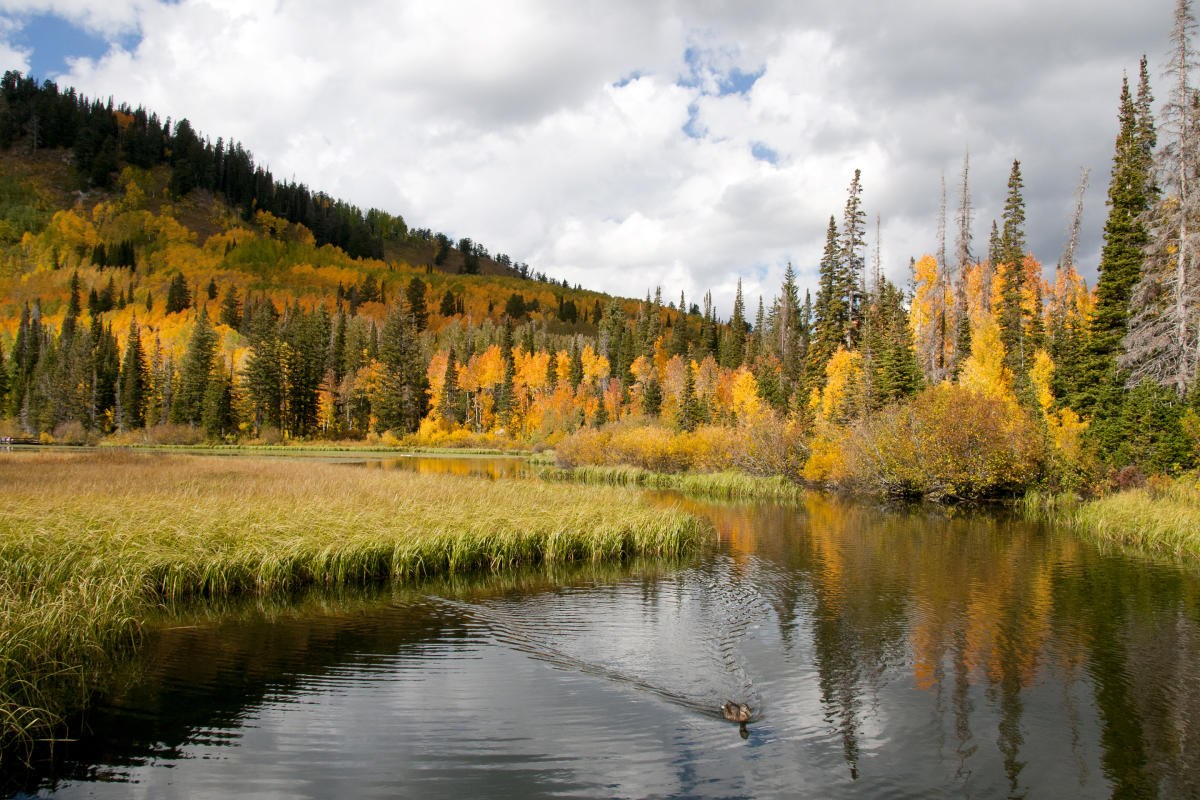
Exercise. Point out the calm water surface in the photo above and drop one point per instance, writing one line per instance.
(887, 653)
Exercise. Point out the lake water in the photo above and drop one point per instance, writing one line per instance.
(887, 652)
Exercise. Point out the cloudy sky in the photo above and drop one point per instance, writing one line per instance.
(626, 144)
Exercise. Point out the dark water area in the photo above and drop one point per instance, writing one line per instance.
(886, 653)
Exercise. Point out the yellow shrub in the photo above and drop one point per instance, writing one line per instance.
(947, 442)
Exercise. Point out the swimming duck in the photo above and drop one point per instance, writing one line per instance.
(736, 712)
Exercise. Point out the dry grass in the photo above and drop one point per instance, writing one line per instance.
(1162, 517)
(90, 545)
(726, 485)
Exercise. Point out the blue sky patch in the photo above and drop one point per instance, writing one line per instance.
(692, 127)
(53, 40)
(732, 82)
(764, 153)
(738, 82)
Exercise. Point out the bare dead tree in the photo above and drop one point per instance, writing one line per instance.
(1163, 339)
(1068, 257)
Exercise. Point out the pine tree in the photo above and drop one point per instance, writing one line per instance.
(652, 397)
(449, 407)
(403, 397)
(831, 311)
(853, 259)
(690, 413)
(70, 320)
(178, 297)
(188, 403)
(231, 308)
(1123, 251)
(414, 295)
(1011, 261)
(734, 350)
(217, 413)
(134, 381)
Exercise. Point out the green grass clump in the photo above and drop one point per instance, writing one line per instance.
(92, 545)
(1162, 517)
(720, 485)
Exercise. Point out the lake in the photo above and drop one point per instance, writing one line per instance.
(886, 652)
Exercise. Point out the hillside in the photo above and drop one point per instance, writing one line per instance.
(149, 278)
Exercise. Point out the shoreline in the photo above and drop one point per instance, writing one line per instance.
(92, 544)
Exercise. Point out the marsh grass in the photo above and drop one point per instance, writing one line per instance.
(718, 485)
(1162, 517)
(91, 545)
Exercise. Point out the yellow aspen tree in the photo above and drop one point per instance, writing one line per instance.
(747, 405)
(843, 379)
(984, 372)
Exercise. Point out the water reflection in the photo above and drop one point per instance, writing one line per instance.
(885, 652)
(463, 466)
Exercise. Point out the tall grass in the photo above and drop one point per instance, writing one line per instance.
(1162, 517)
(91, 545)
(720, 485)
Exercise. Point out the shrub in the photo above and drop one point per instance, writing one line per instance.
(948, 442)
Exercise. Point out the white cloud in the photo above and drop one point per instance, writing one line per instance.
(555, 132)
(110, 18)
(11, 56)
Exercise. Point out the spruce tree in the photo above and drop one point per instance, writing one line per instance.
(1122, 254)
(217, 414)
(734, 350)
(188, 403)
(178, 297)
(1012, 258)
(403, 398)
(831, 310)
(853, 259)
(135, 380)
(263, 374)
(415, 297)
(231, 308)
(449, 405)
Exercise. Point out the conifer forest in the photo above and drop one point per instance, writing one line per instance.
(160, 287)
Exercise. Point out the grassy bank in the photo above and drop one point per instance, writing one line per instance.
(91, 545)
(720, 485)
(1162, 517)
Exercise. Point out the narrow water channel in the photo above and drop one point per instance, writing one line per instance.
(886, 653)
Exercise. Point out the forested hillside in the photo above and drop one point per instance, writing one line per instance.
(157, 286)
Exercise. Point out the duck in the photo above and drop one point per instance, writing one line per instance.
(736, 712)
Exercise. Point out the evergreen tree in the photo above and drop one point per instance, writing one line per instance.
(1163, 339)
(135, 381)
(575, 372)
(1012, 259)
(415, 296)
(4, 384)
(853, 259)
(690, 413)
(449, 407)
(337, 350)
(1123, 252)
(304, 337)
(194, 370)
(231, 308)
(402, 399)
(652, 397)
(263, 374)
(217, 414)
(70, 320)
(178, 296)
(831, 311)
